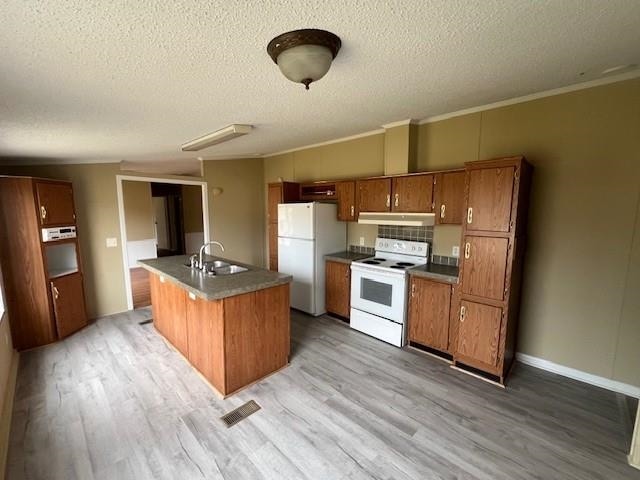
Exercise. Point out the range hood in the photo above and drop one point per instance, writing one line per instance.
(394, 218)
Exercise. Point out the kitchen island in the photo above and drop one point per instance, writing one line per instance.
(233, 328)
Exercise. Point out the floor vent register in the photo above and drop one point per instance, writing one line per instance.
(240, 413)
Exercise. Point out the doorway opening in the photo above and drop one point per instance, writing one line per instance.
(158, 218)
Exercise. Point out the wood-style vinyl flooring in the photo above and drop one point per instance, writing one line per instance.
(115, 402)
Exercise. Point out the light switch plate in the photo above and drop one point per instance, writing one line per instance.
(362, 241)
(112, 242)
(455, 251)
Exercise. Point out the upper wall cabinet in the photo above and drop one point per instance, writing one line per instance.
(449, 198)
(55, 203)
(412, 194)
(346, 194)
(489, 199)
(374, 195)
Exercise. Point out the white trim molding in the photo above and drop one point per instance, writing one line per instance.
(400, 123)
(598, 381)
(328, 142)
(123, 227)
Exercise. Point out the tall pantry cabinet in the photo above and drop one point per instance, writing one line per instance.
(280, 192)
(42, 276)
(493, 232)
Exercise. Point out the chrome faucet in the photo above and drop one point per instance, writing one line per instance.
(205, 245)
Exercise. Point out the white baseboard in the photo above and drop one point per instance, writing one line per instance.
(607, 383)
(6, 412)
(141, 250)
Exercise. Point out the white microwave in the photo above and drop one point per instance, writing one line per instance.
(58, 233)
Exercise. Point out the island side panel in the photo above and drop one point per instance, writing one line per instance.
(168, 304)
(257, 335)
(205, 326)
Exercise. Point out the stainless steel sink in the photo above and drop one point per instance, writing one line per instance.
(230, 270)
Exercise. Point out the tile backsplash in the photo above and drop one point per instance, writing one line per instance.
(360, 249)
(416, 234)
(443, 260)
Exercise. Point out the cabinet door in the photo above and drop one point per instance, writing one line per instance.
(68, 304)
(205, 328)
(338, 288)
(346, 193)
(484, 267)
(490, 196)
(273, 246)
(429, 304)
(274, 197)
(168, 302)
(479, 332)
(374, 195)
(55, 203)
(413, 194)
(449, 198)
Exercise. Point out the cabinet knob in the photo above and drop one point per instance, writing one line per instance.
(353, 210)
(442, 209)
(396, 199)
(56, 292)
(467, 250)
(463, 311)
(388, 200)
(43, 212)
(470, 215)
(413, 290)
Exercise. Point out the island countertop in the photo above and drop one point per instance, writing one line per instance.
(211, 287)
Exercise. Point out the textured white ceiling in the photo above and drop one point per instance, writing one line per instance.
(109, 80)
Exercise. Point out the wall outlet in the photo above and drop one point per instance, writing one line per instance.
(362, 241)
(455, 251)
(112, 242)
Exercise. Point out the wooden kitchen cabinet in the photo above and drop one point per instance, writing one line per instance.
(280, 192)
(412, 194)
(374, 195)
(489, 199)
(55, 203)
(449, 198)
(493, 232)
(479, 333)
(346, 194)
(169, 311)
(338, 288)
(429, 311)
(485, 267)
(32, 267)
(68, 304)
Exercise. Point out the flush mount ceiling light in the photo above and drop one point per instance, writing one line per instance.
(304, 56)
(219, 136)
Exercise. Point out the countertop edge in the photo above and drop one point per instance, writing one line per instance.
(435, 276)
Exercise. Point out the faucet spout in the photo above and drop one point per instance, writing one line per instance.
(205, 245)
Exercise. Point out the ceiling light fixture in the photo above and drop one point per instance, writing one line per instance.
(219, 136)
(304, 56)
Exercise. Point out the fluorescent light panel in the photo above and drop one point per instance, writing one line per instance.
(227, 133)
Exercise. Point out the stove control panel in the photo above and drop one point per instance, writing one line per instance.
(406, 247)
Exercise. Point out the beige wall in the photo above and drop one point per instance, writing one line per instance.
(237, 216)
(192, 208)
(138, 210)
(580, 306)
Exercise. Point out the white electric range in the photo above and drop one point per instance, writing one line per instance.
(379, 289)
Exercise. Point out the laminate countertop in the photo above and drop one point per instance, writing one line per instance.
(433, 271)
(212, 287)
(346, 257)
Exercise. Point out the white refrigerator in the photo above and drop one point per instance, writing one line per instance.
(306, 233)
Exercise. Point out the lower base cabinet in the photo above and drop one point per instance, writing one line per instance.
(68, 304)
(479, 331)
(429, 312)
(338, 288)
(168, 304)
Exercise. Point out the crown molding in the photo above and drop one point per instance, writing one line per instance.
(400, 123)
(534, 96)
(328, 142)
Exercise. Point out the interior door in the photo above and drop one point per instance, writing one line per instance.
(374, 195)
(479, 332)
(429, 304)
(485, 266)
(449, 198)
(55, 201)
(346, 193)
(68, 304)
(490, 197)
(412, 194)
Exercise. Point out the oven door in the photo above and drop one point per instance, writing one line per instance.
(378, 292)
